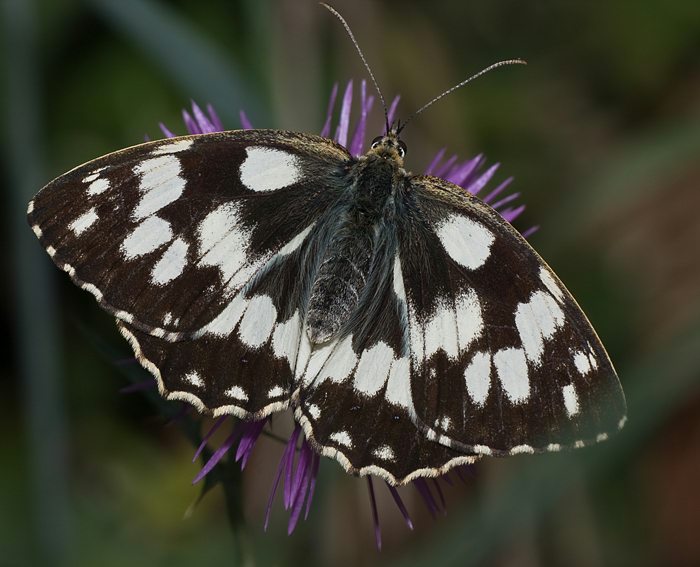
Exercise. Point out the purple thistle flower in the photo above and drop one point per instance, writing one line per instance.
(299, 465)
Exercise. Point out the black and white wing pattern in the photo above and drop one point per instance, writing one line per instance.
(468, 345)
(354, 392)
(194, 244)
(503, 361)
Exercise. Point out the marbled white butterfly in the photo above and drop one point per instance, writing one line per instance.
(407, 324)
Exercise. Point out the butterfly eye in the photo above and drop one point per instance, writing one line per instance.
(402, 149)
(376, 142)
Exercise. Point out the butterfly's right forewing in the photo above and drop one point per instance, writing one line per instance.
(164, 234)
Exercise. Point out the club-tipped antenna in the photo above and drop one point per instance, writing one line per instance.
(371, 75)
(467, 80)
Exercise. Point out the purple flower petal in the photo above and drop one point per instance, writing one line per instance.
(491, 196)
(436, 160)
(445, 167)
(190, 124)
(511, 214)
(424, 490)
(485, 177)
(167, 133)
(273, 491)
(312, 485)
(401, 506)
(341, 134)
(443, 503)
(206, 438)
(302, 480)
(216, 122)
(203, 122)
(375, 514)
(288, 463)
(358, 139)
(303, 463)
(461, 173)
(326, 130)
(218, 454)
(530, 231)
(392, 109)
(245, 123)
(505, 200)
(251, 432)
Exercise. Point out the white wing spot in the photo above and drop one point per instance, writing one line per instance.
(51, 251)
(314, 411)
(173, 147)
(37, 230)
(537, 320)
(470, 323)
(582, 362)
(398, 387)
(223, 241)
(341, 363)
(98, 187)
(149, 235)
(579, 444)
(441, 332)
(285, 339)
(554, 447)
(30, 207)
(593, 360)
(399, 288)
(373, 368)
(385, 453)
(226, 321)
(482, 450)
(477, 376)
(167, 318)
(267, 169)
(522, 450)
(601, 437)
(570, 400)
(512, 370)
(295, 242)
(275, 392)
(467, 242)
(237, 393)
(550, 283)
(342, 438)
(160, 184)
(171, 264)
(194, 379)
(84, 221)
(258, 321)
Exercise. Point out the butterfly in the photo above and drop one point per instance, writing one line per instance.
(407, 324)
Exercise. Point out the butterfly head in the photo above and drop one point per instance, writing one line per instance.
(389, 146)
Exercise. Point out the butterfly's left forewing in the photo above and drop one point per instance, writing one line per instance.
(502, 358)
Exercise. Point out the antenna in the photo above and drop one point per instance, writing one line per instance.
(354, 41)
(468, 80)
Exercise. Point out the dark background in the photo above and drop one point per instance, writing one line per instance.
(602, 133)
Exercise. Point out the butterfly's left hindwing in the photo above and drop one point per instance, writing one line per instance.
(464, 344)
(502, 358)
(193, 243)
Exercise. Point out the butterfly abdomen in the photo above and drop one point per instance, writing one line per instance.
(344, 271)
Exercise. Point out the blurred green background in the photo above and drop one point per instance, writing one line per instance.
(602, 133)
